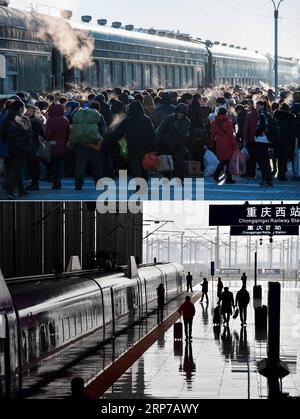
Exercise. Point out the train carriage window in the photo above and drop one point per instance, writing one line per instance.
(90, 319)
(118, 79)
(107, 74)
(10, 83)
(52, 337)
(72, 326)
(189, 77)
(24, 347)
(183, 77)
(32, 344)
(67, 328)
(79, 323)
(147, 73)
(129, 75)
(62, 330)
(177, 77)
(170, 75)
(139, 77)
(163, 76)
(43, 339)
(155, 77)
(84, 321)
(95, 317)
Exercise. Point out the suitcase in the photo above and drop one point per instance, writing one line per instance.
(178, 331)
(261, 317)
(192, 168)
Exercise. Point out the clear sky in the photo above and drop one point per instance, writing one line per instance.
(245, 23)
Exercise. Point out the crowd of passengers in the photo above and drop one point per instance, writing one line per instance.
(54, 136)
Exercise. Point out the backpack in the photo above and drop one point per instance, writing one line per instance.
(272, 129)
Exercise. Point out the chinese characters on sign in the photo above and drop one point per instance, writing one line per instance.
(260, 215)
(264, 230)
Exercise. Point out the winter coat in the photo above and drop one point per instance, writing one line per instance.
(287, 125)
(195, 116)
(241, 119)
(17, 133)
(107, 113)
(188, 310)
(172, 134)
(250, 126)
(139, 131)
(85, 127)
(222, 135)
(57, 129)
(38, 131)
(162, 112)
(204, 286)
(242, 298)
(227, 302)
(3, 146)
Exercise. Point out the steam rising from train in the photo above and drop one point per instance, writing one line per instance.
(74, 45)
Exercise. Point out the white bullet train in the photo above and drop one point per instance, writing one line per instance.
(48, 324)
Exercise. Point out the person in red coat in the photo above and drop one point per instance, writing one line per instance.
(223, 138)
(188, 311)
(57, 130)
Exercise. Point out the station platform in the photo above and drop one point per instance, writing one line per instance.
(144, 363)
(219, 363)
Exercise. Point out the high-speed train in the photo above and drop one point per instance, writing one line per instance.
(45, 325)
(124, 57)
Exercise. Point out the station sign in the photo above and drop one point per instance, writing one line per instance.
(264, 230)
(268, 271)
(243, 215)
(230, 271)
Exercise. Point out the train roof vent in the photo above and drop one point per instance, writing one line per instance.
(245, 49)
(171, 35)
(224, 44)
(4, 3)
(116, 25)
(238, 47)
(86, 19)
(231, 46)
(74, 264)
(151, 31)
(102, 22)
(66, 14)
(256, 52)
(217, 43)
(162, 33)
(129, 27)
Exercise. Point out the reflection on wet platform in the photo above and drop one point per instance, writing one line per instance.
(220, 363)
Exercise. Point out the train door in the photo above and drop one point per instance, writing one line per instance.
(68, 76)
(56, 70)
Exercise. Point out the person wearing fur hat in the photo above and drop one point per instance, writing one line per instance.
(172, 136)
(17, 135)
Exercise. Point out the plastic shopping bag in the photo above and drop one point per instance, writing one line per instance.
(238, 164)
(211, 163)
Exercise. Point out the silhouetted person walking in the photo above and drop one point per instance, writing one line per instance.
(220, 287)
(58, 268)
(160, 301)
(244, 279)
(242, 300)
(189, 282)
(188, 311)
(204, 290)
(227, 302)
